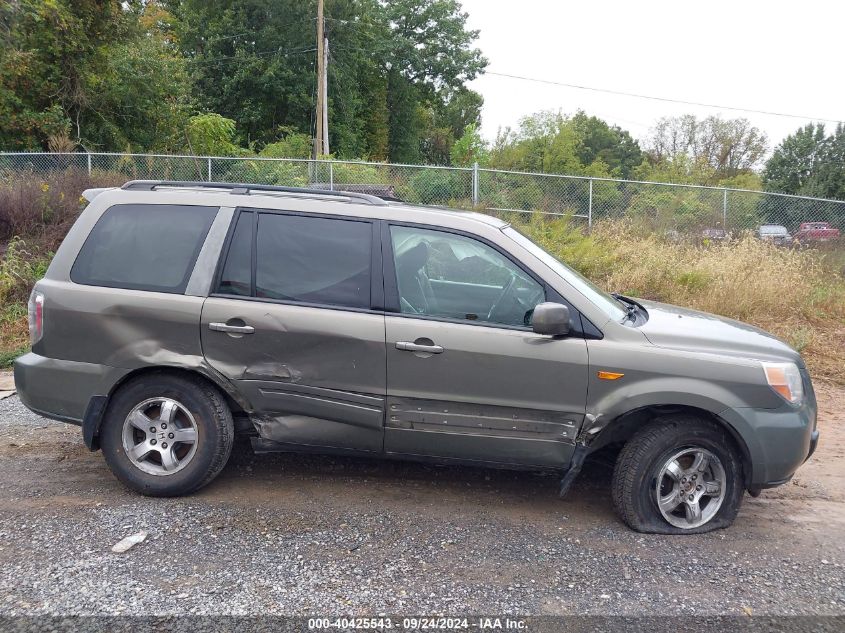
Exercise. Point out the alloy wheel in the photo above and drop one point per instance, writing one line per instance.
(690, 487)
(160, 436)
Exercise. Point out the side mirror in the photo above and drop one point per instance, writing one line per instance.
(551, 319)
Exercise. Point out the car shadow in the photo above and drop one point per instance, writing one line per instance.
(331, 479)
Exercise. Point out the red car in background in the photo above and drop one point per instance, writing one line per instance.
(815, 232)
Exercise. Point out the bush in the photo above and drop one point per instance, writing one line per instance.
(45, 205)
(20, 268)
(431, 186)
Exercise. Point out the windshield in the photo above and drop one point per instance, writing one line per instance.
(608, 304)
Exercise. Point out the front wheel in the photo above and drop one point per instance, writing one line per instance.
(167, 435)
(678, 475)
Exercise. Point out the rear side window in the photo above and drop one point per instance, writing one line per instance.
(236, 278)
(304, 259)
(143, 247)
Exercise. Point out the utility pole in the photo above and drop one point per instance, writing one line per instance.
(325, 96)
(319, 142)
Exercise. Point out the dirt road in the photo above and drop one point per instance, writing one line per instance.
(316, 535)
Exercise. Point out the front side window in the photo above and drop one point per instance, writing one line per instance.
(612, 307)
(446, 275)
(143, 247)
(301, 259)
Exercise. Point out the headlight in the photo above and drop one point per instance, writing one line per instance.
(785, 379)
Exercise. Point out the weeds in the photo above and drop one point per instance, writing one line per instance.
(44, 206)
(20, 268)
(798, 295)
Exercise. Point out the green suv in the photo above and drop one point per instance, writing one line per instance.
(176, 315)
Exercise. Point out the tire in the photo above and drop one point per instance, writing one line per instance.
(198, 426)
(663, 461)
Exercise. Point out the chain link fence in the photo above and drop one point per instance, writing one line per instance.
(666, 207)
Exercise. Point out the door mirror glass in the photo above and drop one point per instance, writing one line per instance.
(551, 319)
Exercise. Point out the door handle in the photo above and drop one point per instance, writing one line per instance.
(405, 346)
(232, 329)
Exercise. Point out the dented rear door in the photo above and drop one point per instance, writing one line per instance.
(292, 323)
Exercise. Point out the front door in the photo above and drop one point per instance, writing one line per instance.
(292, 324)
(467, 379)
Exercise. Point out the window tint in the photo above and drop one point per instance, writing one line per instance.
(236, 278)
(143, 247)
(313, 260)
(447, 275)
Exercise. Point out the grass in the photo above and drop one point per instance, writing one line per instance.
(20, 267)
(798, 295)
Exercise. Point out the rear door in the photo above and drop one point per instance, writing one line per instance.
(295, 321)
(467, 378)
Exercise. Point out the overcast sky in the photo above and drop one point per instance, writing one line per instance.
(774, 56)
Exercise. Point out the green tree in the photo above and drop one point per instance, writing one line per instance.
(470, 148)
(808, 162)
(705, 151)
(105, 73)
(142, 87)
(45, 49)
(430, 48)
(211, 135)
(611, 145)
(251, 61)
(551, 142)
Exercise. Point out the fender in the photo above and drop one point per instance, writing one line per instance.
(97, 405)
(721, 403)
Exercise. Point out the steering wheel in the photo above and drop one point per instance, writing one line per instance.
(506, 290)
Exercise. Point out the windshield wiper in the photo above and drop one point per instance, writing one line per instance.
(631, 306)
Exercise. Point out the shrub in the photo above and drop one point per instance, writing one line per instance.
(434, 186)
(45, 205)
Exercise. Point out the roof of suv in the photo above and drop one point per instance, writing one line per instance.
(274, 193)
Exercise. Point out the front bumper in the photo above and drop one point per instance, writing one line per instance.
(814, 443)
(778, 441)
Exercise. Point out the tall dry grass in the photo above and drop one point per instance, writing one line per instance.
(41, 207)
(798, 295)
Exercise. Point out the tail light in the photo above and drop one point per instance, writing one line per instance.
(36, 316)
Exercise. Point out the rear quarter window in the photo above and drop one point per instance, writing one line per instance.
(143, 247)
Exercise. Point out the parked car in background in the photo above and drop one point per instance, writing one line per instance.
(816, 232)
(714, 234)
(774, 233)
(175, 315)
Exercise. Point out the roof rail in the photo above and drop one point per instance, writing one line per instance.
(246, 189)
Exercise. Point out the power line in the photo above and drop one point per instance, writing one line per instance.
(664, 99)
(249, 54)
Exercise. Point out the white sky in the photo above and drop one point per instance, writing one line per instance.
(775, 56)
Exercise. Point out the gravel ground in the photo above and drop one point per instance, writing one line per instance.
(283, 534)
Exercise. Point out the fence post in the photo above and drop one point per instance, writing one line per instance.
(590, 207)
(331, 175)
(475, 184)
(725, 211)
(89, 163)
(209, 169)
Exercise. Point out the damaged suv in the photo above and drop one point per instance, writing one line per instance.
(176, 315)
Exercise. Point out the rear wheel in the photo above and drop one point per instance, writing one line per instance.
(167, 435)
(678, 475)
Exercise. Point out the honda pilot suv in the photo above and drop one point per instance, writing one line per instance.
(176, 315)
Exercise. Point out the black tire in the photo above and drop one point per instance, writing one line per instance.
(642, 458)
(214, 433)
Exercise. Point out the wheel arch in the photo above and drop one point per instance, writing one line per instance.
(98, 405)
(623, 426)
